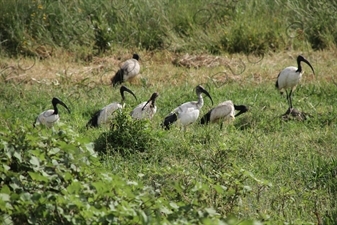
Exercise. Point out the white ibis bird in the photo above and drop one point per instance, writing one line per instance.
(289, 77)
(224, 111)
(187, 112)
(103, 115)
(129, 69)
(51, 116)
(145, 109)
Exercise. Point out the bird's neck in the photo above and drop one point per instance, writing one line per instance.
(200, 102)
(299, 67)
(56, 111)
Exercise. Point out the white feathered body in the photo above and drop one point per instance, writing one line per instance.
(289, 78)
(140, 113)
(188, 112)
(225, 110)
(47, 118)
(131, 69)
(106, 113)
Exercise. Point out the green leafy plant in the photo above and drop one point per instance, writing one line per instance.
(126, 135)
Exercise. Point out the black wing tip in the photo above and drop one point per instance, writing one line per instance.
(118, 78)
(169, 120)
(276, 84)
(93, 122)
(205, 119)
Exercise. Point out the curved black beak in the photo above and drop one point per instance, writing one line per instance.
(152, 99)
(302, 59)
(203, 90)
(58, 101)
(123, 88)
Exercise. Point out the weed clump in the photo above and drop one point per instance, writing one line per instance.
(126, 135)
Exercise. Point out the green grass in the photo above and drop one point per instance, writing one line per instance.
(259, 167)
(88, 27)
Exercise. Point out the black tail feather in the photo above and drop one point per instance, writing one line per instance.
(205, 119)
(276, 84)
(93, 122)
(118, 78)
(169, 120)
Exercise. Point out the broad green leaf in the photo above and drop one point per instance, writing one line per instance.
(90, 147)
(14, 186)
(54, 151)
(9, 206)
(49, 176)
(211, 212)
(25, 196)
(67, 176)
(37, 176)
(18, 156)
(5, 197)
(174, 205)
(55, 162)
(7, 219)
(5, 189)
(6, 168)
(165, 210)
(144, 216)
(101, 187)
(34, 161)
(74, 188)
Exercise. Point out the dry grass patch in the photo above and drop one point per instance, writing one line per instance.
(160, 69)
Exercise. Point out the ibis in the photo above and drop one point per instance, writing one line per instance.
(146, 109)
(129, 69)
(104, 114)
(223, 111)
(289, 77)
(188, 112)
(51, 116)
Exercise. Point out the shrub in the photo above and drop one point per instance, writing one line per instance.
(126, 135)
(55, 178)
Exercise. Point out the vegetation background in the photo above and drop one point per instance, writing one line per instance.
(258, 169)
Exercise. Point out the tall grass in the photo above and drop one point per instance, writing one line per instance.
(36, 27)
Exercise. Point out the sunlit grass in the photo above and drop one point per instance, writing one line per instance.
(283, 156)
(257, 167)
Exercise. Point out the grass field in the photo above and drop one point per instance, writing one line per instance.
(259, 169)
